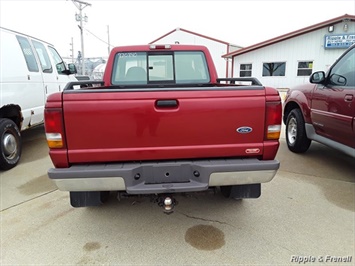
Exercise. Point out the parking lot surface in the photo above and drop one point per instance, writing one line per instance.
(305, 214)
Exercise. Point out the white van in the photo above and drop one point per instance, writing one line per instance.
(30, 70)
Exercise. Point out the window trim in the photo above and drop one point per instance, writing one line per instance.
(298, 68)
(244, 71)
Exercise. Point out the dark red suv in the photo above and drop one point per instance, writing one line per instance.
(324, 109)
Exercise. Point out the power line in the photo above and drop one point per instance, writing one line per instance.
(99, 38)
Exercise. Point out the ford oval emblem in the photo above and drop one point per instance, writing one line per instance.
(244, 130)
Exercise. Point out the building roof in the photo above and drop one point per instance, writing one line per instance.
(194, 33)
(290, 35)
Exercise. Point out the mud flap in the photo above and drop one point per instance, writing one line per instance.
(88, 198)
(242, 191)
(246, 191)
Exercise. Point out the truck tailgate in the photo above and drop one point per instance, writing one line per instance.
(121, 125)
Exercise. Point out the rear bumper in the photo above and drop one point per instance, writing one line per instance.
(163, 177)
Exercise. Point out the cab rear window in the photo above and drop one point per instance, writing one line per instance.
(180, 67)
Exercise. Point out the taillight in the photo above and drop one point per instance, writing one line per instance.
(53, 123)
(273, 120)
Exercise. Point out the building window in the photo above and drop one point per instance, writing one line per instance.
(304, 68)
(274, 69)
(245, 70)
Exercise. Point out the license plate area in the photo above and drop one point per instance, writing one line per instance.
(165, 174)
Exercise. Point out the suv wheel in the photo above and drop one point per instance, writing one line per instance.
(296, 137)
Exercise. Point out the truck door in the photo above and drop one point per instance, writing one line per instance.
(333, 105)
(49, 73)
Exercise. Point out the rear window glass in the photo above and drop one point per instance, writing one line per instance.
(160, 68)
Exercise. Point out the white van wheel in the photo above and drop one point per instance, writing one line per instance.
(10, 144)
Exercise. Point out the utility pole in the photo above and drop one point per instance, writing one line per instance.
(108, 39)
(72, 50)
(79, 17)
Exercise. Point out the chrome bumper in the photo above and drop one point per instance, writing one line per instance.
(163, 177)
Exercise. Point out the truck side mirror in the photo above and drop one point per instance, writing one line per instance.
(72, 68)
(317, 77)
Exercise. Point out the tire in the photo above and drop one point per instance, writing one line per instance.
(10, 144)
(239, 192)
(296, 136)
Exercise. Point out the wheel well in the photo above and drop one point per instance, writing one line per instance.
(13, 112)
(288, 108)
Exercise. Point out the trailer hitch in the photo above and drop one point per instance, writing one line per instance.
(164, 200)
(167, 202)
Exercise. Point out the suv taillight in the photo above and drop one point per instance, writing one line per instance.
(53, 123)
(273, 120)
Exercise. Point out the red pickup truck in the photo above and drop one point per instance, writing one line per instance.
(324, 109)
(159, 123)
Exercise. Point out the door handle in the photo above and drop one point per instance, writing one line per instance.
(348, 97)
(166, 103)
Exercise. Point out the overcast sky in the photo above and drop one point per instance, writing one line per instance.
(139, 22)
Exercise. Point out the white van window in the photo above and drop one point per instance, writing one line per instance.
(58, 61)
(43, 57)
(28, 54)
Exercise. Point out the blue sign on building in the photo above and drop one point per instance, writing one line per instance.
(339, 41)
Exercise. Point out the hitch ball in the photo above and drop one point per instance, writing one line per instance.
(167, 202)
(168, 205)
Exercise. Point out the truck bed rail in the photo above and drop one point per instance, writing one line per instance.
(82, 84)
(249, 80)
(244, 81)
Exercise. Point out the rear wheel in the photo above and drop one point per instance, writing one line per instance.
(10, 144)
(241, 191)
(296, 137)
(88, 198)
